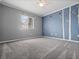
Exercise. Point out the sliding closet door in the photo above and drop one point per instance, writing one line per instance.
(52, 25)
(63, 24)
(74, 23)
(66, 23)
(45, 26)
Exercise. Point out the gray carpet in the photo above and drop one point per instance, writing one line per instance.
(40, 48)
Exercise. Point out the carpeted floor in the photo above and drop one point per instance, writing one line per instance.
(40, 48)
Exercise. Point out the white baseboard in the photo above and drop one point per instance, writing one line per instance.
(20, 39)
(60, 39)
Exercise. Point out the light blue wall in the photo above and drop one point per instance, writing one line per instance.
(74, 22)
(52, 24)
(66, 23)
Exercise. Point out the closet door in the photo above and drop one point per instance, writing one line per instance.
(52, 25)
(66, 23)
(74, 23)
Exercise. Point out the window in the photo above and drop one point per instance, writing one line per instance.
(27, 23)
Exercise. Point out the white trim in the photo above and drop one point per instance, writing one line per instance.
(78, 20)
(42, 15)
(61, 39)
(33, 22)
(63, 24)
(78, 15)
(20, 39)
(53, 11)
(70, 23)
(18, 8)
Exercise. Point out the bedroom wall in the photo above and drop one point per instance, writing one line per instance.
(74, 23)
(0, 22)
(52, 25)
(66, 23)
(68, 17)
(11, 22)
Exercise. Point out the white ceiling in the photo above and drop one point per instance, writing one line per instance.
(32, 5)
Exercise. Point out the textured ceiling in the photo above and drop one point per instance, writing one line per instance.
(32, 5)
